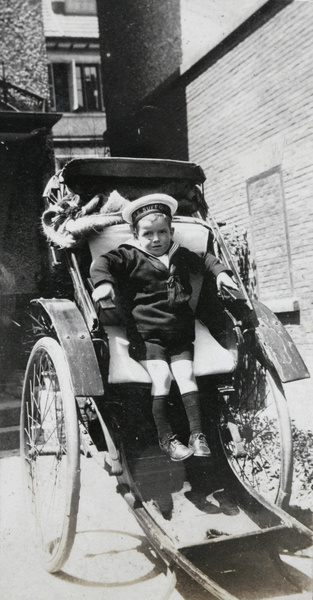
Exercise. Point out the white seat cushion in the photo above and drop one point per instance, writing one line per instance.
(189, 232)
(210, 357)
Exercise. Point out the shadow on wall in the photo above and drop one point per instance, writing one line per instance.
(158, 129)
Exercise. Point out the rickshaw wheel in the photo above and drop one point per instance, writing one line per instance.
(50, 451)
(262, 458)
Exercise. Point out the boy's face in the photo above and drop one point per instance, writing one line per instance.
(154, 234)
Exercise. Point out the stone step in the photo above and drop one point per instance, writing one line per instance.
(10, 406)
(13, 387)
(9, 423)
(9, 437)
(9, 412)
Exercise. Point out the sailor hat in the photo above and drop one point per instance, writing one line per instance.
(152, 203)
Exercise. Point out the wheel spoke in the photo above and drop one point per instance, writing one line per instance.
(53, 479)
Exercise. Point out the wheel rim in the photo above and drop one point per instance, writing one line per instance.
(258, 409)
(45, 453)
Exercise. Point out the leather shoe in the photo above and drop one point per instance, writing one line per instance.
(199, 445)
(174, 448)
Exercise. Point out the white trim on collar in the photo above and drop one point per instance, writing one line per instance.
(132, 242)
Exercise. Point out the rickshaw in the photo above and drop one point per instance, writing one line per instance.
(84, 395)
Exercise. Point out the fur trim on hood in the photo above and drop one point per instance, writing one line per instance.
(67, 223)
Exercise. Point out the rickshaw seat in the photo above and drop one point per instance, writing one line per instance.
(210, 357)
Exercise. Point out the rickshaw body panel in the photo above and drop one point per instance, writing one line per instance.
(276, 345)
(74, 337)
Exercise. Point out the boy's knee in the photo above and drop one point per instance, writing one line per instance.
(160, 375)
(183, 369)
(184, 376)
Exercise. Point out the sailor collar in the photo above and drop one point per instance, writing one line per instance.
(172, 250)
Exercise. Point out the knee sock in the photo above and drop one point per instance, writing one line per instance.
(191, 401)
(159, 411)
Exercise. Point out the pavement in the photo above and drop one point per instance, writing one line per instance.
(111, 558)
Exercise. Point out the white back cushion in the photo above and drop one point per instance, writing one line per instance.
(189, 232)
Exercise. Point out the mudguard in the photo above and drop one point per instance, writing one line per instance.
(74, 337)
(276, 345)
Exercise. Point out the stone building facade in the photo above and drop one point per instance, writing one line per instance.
(72, 47)
(22, 45)
(26, 163)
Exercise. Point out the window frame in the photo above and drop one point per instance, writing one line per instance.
(282, 215)
(82, 66)
(51, 84)
(80, 7)
(73, 90)
(84, 8)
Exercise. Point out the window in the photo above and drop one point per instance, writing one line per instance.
(75, 87)
(59, 87)
(270, 235)
(80, 7)
(74, 7)
(88, 88)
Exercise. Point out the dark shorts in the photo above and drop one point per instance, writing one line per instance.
(159, 346)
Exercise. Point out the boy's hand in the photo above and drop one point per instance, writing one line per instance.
(105, 291)
(224, 279)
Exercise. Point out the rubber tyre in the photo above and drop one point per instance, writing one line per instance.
(50, 451)
(259, 409)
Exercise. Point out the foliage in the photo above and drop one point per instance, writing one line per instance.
(238, 246)
(303, 467)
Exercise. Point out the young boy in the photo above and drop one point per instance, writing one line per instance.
(152, 275)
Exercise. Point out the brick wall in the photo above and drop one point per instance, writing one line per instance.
(250, 117)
